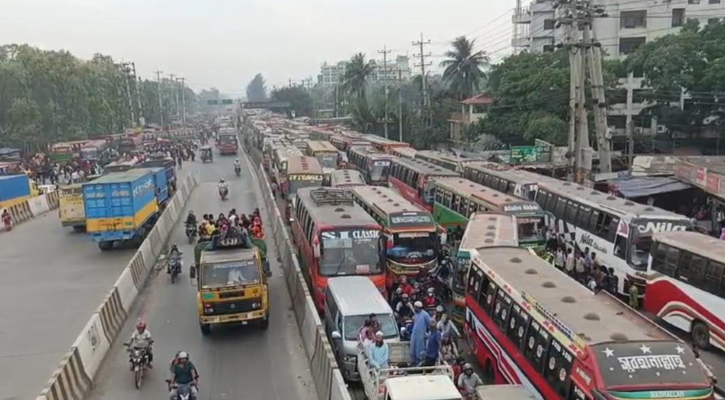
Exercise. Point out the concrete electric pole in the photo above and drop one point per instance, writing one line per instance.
(183, 101)
(385, 53)
(424, 78)
(161, 104)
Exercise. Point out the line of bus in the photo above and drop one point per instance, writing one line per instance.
(302, 171)
(335, 237)
(384, 145)
(686, 287)
(346, 178)
(404, 152)
(519, 183)
(325, 153)
(343, 142)
(374, 165)
(410, 236)
(414, 180)
(321, 134)
(485, 229)
(532, 325)
(457, 198)
(619, 231)
(446, 160)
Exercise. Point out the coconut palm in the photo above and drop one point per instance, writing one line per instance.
(463, 68)
(356, 76)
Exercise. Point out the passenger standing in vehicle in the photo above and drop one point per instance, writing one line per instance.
(421, 322)
(433, 346)
(379, 353)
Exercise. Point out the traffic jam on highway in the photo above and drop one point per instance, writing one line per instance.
(442, 276)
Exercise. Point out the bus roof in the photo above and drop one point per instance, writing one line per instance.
(406, 152)
(384, 141)
(521, 177)
(588, 317)
(303, 165)
(490, 229)
(508, 392)
(447, 157)
(608, 202)
(392, 205)
(695, 243)
(346, 178)
(371, 152)
(422, 387)
(360, 296)
(321, 145)
(473, 190)
(334, 207)
(424, 167)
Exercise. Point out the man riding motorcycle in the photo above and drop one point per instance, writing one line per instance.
(237, 167)
(141, 339)
(430, 301)
(7, 220)
(223, 188)
(183, 373)
(191, 218)
(174, 257)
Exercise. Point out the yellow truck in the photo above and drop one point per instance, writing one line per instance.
(72, 212)
(232, 284)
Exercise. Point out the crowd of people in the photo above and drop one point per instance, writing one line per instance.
(232, 224)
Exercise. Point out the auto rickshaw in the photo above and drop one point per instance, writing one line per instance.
(206, 154)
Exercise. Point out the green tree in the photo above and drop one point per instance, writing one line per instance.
(356, 76)
(298, 97)
(256, 89)
(463, 69)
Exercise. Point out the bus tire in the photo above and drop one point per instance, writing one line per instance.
(264, 323)
(205, 329)
(700, 335)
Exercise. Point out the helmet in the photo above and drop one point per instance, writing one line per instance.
(405, 296)
(431, 290)
(140, 324)
(185, 356)
(467, 366)
(221, 180)
(237, 160)
(399, 290)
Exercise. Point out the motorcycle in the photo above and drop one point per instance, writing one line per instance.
(191, 232)
(139, 360)
(183, 391)
(223, 193)
(238, 170)
(175, 267)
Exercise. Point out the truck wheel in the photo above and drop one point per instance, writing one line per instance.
(105, 246)
(264, 324)
(205, 329)
(701, 335)
(79, 228)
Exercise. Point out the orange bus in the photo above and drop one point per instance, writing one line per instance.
(335, 237)
(385, 145)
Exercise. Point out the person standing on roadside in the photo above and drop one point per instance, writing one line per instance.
(570, 262)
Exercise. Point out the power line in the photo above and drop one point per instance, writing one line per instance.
(424, 78)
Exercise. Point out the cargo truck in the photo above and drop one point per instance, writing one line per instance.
(123, 206)
(14, 189)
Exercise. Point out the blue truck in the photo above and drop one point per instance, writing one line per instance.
(14, 189)
(123, 206)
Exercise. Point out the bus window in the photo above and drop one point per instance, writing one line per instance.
(475, 277)
(541, 199)
(671, 259)
(558, 367)
(490, 293)
(501, 308)
(560, 208)
(571, 210)
(658, 259)
(691, 268)
(582, 220)
(713, 276)
(537, 341)
(517, 326)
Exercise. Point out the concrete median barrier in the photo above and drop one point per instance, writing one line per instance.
(38, 205)
(74, 376)
(325, 372)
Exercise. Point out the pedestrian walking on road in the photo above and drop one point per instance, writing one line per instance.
(570, 261)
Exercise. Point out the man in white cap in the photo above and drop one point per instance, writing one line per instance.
(421, 322)
(379, 353)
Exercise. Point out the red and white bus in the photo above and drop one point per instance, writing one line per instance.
(410, 234)
(531, 324)
(414, 180)
(685, 285)
(384, 145)
(343, 142)
(335, 237)
(280, 160)
(374, 165)
(404, 152)
(346, 178)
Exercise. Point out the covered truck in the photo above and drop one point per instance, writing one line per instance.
(123, 206)
(14, 189)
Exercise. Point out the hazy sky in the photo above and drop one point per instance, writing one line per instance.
(223, 43)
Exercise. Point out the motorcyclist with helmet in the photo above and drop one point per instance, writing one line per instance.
(141, 339)
(223, 188)
(174, 256)
(404, 309)
(430, 301)
(237, 167)
(183, 372)
(191, 218)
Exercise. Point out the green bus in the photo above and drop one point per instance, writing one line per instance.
(485, 229)
(457, 198)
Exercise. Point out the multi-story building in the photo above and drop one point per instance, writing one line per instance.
(332, 74)
(628, 25)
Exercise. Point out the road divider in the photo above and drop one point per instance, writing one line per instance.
(73, 378)
(323, 366)
(33, 207)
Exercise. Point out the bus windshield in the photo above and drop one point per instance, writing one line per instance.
(327, 160)
(350, 252)
(414, 247)
(302, 181)
(639, 252)
(379, 170)
(227, 139)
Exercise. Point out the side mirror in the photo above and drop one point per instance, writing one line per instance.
(336, 335)
(192, 272)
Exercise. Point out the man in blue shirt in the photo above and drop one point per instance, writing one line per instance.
(433, 346)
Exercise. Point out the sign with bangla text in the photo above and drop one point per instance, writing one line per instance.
(530, 155)
(410, 218)
(305, 177)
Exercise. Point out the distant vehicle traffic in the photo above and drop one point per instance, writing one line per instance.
(414, 180)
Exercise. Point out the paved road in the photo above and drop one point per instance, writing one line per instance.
(51, 280)
(234, 362)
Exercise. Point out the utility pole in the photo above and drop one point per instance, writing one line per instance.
(385, 52)
(183, 102)
(126, 70)
(400, 105)
(571, 39)
(176, 94)
(161, 104)
(137, 85)
(424, 78)
(599, 101)
(337, 101)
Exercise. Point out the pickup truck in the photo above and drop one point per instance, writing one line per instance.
(401, 383)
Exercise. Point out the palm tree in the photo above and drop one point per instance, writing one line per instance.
(356, 75)
(463, 68)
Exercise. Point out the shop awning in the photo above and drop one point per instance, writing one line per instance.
(647, 186)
